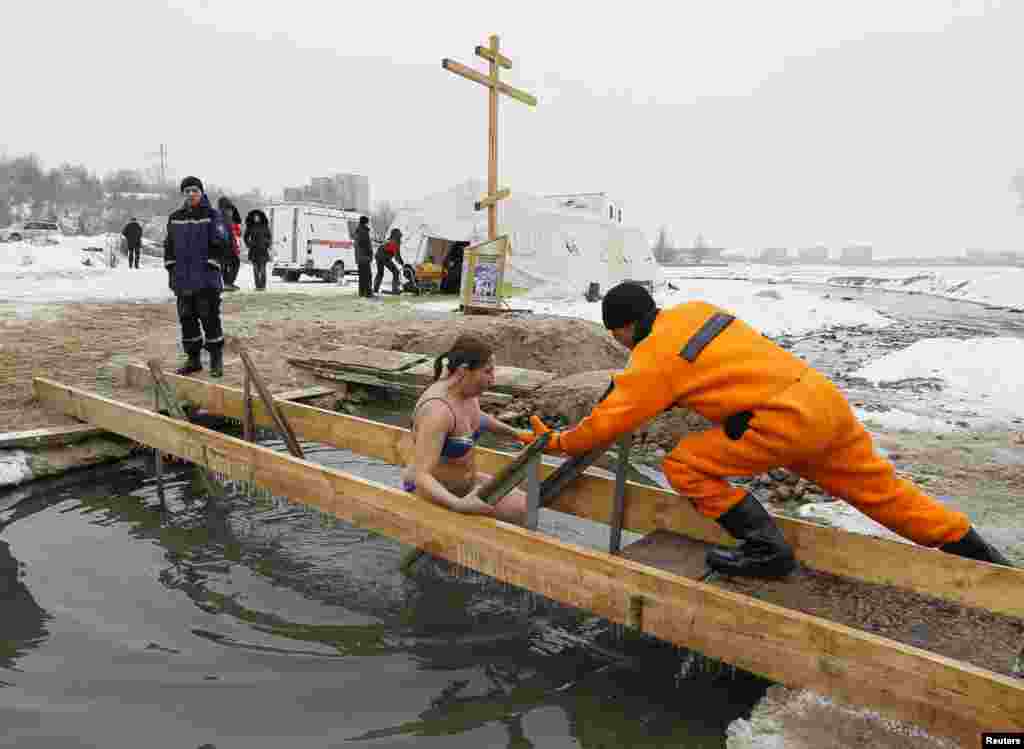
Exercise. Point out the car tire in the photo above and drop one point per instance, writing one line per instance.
(14, 237)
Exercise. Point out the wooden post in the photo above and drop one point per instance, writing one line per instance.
(247, 419)
(176, 411)
(268, 400)
(158, 457)
(495, 86)
(619, 507)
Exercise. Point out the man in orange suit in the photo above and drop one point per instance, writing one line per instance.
(773, 410)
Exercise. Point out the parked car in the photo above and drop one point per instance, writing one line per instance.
(30, 230)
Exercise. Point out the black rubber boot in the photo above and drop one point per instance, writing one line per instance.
(191, 366)
(763, 550)
(973, 546)
(217, 360)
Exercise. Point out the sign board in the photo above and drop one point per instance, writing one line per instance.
(483, 272)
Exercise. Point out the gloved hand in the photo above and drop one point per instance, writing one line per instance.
(540, 429)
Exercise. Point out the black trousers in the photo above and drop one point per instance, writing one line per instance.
(364, 278)
(200, 308)
(396, 277)
(259, 273)
(230, 266)
(133, 256)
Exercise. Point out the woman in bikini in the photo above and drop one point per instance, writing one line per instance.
(446, 424)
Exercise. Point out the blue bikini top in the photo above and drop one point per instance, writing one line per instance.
(455, 447)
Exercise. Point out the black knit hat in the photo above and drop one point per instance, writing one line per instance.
(191, 182)
(628, 302)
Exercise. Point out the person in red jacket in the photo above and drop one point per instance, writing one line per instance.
(775, 411)
(233, 260)
(386, 256)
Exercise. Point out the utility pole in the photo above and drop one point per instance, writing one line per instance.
(162, 153)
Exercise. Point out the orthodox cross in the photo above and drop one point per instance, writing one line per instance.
(496, 86)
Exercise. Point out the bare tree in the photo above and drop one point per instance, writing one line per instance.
(662, 250)
(381, 218)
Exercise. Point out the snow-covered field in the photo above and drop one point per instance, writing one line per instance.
(980, 378)
(998, 286)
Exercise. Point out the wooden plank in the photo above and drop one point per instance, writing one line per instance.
(495, 57)
(939, 694)
(513, 380)
(648, 509)
(515, 93)
(364, 357)
(489, 200)
(301, 394)
(400, 385)
(48, 436)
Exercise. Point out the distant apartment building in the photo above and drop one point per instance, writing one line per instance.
(347, 191)
(992, 257)
(816, 254)
(857, 253)
(773, 254)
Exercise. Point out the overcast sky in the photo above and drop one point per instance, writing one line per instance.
(782, 123)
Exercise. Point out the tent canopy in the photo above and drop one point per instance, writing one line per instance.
(561, 249)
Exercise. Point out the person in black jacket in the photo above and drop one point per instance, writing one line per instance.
(132, 234)
(364, 256)
(195, 248)
(257, 238)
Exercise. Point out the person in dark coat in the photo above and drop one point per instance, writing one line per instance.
(364, 256)
(194, 251)
(386, 256)
(258, 240)
(233, 259)
(132, 233)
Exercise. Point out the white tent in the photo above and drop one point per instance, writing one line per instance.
(556, 251)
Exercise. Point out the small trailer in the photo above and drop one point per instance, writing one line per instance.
(312, 240)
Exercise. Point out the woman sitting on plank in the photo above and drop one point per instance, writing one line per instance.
(446, 424)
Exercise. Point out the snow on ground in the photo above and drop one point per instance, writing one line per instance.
(772, 311)
(67, 272)
(998, 286)
(14, 467)
(982, 374)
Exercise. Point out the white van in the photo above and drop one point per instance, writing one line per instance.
(312, 240)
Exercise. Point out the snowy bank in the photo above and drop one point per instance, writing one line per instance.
(978, 375)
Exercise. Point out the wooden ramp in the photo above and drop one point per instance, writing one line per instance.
(743, 627)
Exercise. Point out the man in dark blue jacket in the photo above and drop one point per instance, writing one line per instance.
(194, 252)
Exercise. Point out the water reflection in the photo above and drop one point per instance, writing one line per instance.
(24, 622)
(271, 578)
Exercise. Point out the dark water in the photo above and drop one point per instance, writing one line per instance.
(263, 624)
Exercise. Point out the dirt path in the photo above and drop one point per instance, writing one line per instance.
(82, 344)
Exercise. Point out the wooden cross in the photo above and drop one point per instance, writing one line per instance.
(496, 86)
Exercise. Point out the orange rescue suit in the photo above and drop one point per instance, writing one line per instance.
(799, 420)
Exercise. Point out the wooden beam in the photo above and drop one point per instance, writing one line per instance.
(942, 695)
(495, 57)
(490, 200)
(30, 439)
(515, 93)
(648, 509)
